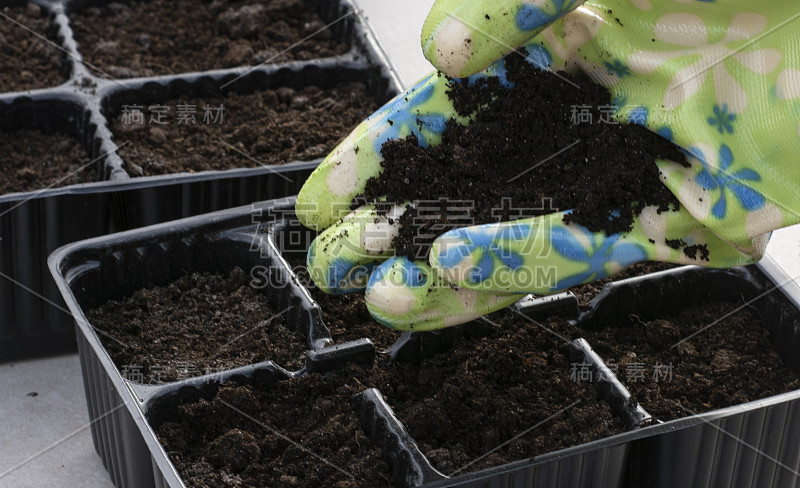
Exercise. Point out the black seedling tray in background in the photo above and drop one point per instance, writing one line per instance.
(720, 448)
(33, 317)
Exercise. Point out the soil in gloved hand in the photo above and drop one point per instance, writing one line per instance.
(547, 144)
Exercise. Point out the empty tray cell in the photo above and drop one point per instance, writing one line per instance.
(30, 54)
(124, 40)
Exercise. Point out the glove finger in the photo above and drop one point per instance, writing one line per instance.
(462, 38)
(406, 295)
(341, 258)
(544, 255)
(422, 110)
(327, 194)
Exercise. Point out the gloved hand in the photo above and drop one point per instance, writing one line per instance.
(721, 79)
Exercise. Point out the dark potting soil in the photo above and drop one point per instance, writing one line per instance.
(469, 399)
(199, 324)
(524, 156)
(268, 127)
(31, 160)
(212, 445)
(458, 405)
(346, 316)
(28, 61)
(142, 38)
(729, 363)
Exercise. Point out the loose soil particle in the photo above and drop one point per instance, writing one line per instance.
(267, 127)
(199, 324)
(31, 160)
(524, 156)
(212, 445)
(26, 60)
(730, 363)
(143, 39)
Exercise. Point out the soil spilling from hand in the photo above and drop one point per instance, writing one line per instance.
(199, 324)
(674, 373)
(28, 61)
(124, 40)
(300, 433)
(31, 160)
(268, 127)
(525, 154)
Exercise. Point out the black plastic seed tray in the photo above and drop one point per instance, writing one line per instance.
(94, 271)
(35, 321)
(645, 456)
(754, 444)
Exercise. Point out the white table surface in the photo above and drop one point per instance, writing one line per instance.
(45, 437)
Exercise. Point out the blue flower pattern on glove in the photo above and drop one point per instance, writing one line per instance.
(723, 180)
(530, 17)
(722, 119)
(400, 114)
(488, 241)
(539, 57)
(412, 275)
(617, 68)
(607, 250)
(345, 277)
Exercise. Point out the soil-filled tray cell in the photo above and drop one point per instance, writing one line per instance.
(30, 55)
(141, 38)
(698, 359)
(299, 432)
(486, 391)
(198, 324)
(346, 316)
(275, 126)
(32, 160)
(46, 142)
(174, 308)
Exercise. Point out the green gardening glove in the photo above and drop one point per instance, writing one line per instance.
(721, 79)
